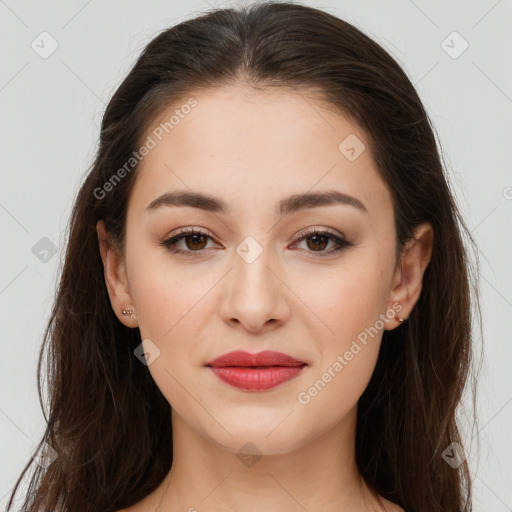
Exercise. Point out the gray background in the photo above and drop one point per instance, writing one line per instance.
(52, 107)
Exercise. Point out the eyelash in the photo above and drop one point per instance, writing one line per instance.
(186, 232)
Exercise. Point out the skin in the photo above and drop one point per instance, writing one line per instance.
(253, 149)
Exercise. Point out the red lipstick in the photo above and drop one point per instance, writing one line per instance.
(256, 372)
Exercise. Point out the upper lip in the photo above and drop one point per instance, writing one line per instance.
(264, 358)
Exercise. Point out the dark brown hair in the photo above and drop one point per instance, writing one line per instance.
(107, 420)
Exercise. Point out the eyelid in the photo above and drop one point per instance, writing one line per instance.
(191, 230)
(340, 240)
(318, 229)
(182, 233)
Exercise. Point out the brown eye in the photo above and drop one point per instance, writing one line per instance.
(192, 241)
(319, 242)
(197, 242)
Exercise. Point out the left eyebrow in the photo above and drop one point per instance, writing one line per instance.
(291, 204)
(298, 202)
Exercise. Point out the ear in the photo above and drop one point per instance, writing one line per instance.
(408, 278)
(116, 278)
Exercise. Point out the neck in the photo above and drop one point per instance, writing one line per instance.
(318, 476)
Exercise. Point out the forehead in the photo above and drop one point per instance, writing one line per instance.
(243, 144)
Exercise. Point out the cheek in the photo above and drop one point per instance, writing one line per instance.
(170, 315)
(167, 296)
(352, 302)
(333, 390)
(174, 306)
(347, 299)
(351, 306)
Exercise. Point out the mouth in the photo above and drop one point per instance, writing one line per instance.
(256, 372)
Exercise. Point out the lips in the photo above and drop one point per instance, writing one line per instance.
(256, 372)
(245, 359)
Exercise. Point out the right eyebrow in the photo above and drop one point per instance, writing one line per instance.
(191, 199)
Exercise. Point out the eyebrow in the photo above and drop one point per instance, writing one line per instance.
(286, 206)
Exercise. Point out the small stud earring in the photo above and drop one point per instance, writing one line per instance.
(127, 312)
(399, 318)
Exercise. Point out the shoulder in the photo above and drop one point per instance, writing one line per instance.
(389, 506)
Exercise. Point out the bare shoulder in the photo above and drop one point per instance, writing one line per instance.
(389, 506)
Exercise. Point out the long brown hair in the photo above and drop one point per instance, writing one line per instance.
(108, 422)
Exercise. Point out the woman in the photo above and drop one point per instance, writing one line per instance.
(265, 303)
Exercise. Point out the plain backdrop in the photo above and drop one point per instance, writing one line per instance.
(458, 55)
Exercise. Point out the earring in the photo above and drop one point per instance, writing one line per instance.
(399, 318)
(127, 312)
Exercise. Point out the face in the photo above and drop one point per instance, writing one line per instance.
(260, 268)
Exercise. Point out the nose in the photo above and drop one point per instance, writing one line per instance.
(255, 295)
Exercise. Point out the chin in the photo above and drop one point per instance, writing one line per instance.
(276, 434)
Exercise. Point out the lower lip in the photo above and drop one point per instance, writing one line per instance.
(256, 379)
